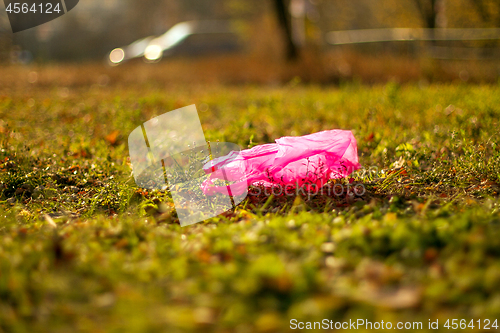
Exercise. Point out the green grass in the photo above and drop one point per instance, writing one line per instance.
(82, 249)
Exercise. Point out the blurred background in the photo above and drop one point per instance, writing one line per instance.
(266, 41)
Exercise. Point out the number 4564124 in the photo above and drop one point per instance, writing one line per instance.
(455, 324)
(24, 8)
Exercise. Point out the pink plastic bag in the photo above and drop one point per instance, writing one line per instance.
(308, 161)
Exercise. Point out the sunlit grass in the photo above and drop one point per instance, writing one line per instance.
(82, 248)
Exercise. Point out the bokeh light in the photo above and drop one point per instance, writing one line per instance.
(153, 52)
(116, 56)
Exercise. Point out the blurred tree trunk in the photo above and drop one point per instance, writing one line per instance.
(428, 12)
(284, 19)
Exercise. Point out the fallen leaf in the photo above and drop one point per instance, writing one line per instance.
(113, 138)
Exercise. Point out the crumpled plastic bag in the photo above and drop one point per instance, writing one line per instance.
(308, 162)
